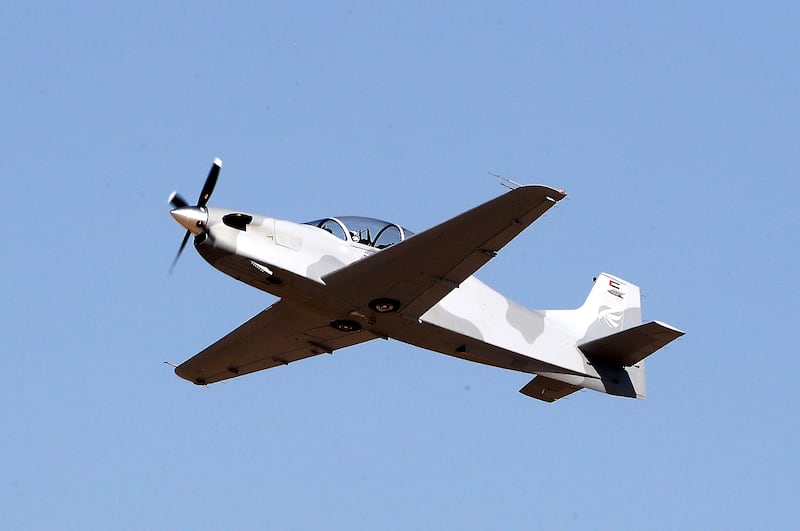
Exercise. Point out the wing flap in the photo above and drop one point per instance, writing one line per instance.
(281, 334)
(631, 346)
(547, 389)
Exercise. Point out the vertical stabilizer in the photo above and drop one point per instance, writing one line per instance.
(613, 305)
(607, 332)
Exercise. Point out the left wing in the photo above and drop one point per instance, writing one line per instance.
(547, 389)
(420, 271)
(279, 335)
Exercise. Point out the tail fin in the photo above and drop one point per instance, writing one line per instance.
(613, 305)
(609, 333)
(617, 335)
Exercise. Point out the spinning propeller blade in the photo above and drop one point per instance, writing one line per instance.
(211, 181)
(179, 202)
(180, 250)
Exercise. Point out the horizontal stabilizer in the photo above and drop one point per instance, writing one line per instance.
(547, 389)
(631, 346)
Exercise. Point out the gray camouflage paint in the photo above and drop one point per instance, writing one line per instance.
(299, 256)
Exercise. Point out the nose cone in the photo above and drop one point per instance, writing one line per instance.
(192, 219)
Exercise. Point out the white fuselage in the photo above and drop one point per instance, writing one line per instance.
(291, 261)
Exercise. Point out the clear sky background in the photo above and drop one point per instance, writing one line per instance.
(674, 129)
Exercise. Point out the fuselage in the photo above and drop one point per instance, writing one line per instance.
(291, 260)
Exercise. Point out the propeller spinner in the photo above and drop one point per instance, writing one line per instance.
(193, 218)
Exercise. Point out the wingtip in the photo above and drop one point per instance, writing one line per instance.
(218, 161)
(677, 331)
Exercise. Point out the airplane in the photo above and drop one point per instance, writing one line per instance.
(346, 280)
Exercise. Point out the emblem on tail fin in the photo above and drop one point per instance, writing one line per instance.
(611, 317)
(615, 289)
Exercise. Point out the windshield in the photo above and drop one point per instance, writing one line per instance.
(366, 231)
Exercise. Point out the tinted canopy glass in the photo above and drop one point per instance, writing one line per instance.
(366, 231)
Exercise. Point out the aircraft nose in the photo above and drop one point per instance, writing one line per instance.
(192, 219)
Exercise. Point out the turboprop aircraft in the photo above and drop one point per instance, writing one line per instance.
(346, 280)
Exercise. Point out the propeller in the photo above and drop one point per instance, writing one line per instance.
(194, 217)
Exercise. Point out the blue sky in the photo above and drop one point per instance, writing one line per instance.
(673, 127)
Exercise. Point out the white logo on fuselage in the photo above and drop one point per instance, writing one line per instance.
(611, 317)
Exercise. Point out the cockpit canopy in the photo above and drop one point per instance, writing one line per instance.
(366, 231)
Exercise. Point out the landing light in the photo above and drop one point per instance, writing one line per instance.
(384, 305)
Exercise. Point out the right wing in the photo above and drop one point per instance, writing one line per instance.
(420, 271)
(279, 335)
